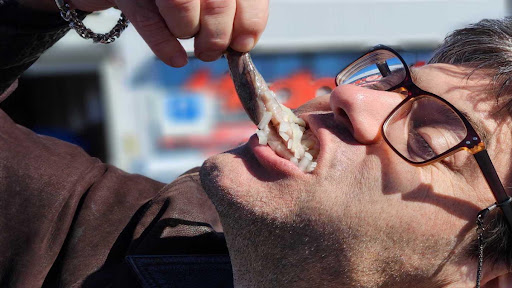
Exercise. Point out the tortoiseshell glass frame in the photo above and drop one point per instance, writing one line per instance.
(471, 143)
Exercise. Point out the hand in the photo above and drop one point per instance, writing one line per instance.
(214, 24)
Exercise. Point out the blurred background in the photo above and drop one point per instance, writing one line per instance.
(124, 106)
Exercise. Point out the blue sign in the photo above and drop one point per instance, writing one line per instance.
(183, 108)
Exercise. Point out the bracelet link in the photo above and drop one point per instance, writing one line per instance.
(75, 23)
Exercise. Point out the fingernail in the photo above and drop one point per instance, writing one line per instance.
(243, 43)
(209, 56)
(178, 61)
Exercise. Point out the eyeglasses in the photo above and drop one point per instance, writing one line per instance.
(424, 128)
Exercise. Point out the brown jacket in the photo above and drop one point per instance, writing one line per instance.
(68, 220)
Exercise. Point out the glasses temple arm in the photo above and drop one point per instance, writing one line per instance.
(493, 180)
(384, 69)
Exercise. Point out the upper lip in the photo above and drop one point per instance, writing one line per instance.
(324, 136)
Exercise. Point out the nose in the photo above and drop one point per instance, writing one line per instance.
(363, 110)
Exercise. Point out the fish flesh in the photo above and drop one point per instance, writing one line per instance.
(278, 126)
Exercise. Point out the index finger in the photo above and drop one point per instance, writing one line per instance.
(145, 17)
(250, 21)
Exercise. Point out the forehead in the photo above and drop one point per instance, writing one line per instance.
(454, 83)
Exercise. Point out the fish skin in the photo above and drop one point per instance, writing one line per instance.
(249, 84)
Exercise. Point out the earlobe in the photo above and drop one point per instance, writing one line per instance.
(505, 280)
(501, 281)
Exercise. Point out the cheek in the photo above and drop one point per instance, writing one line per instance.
(396, 175)
(356, 180)
(373, 194)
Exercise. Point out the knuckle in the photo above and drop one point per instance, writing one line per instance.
(148, 24)
(217, 44)
(216, 7)
(254, 21)
(151, 31)
(185, 5)
(143, 16)
(250, 25)
(180, 16)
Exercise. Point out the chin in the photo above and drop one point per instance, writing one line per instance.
(228, 178)
(216, 174)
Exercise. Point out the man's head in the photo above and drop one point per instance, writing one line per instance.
(365, 217)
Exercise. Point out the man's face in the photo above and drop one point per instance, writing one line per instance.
(364, 216)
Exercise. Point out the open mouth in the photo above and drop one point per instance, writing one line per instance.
(278, 127)
(288, 136)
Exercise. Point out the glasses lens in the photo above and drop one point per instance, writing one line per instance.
(378, 70)
(423, 128)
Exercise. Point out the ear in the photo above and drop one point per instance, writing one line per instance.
(9, 91)
(500, 281)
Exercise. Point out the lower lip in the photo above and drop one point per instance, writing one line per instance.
(270, 160)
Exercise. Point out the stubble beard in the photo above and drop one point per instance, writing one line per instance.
(287, 250)
(302, 249)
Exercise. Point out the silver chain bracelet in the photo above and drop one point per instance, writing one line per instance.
(75, 23)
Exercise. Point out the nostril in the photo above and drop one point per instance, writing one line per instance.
(342, 118)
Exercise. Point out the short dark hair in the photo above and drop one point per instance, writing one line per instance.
(486, 45)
